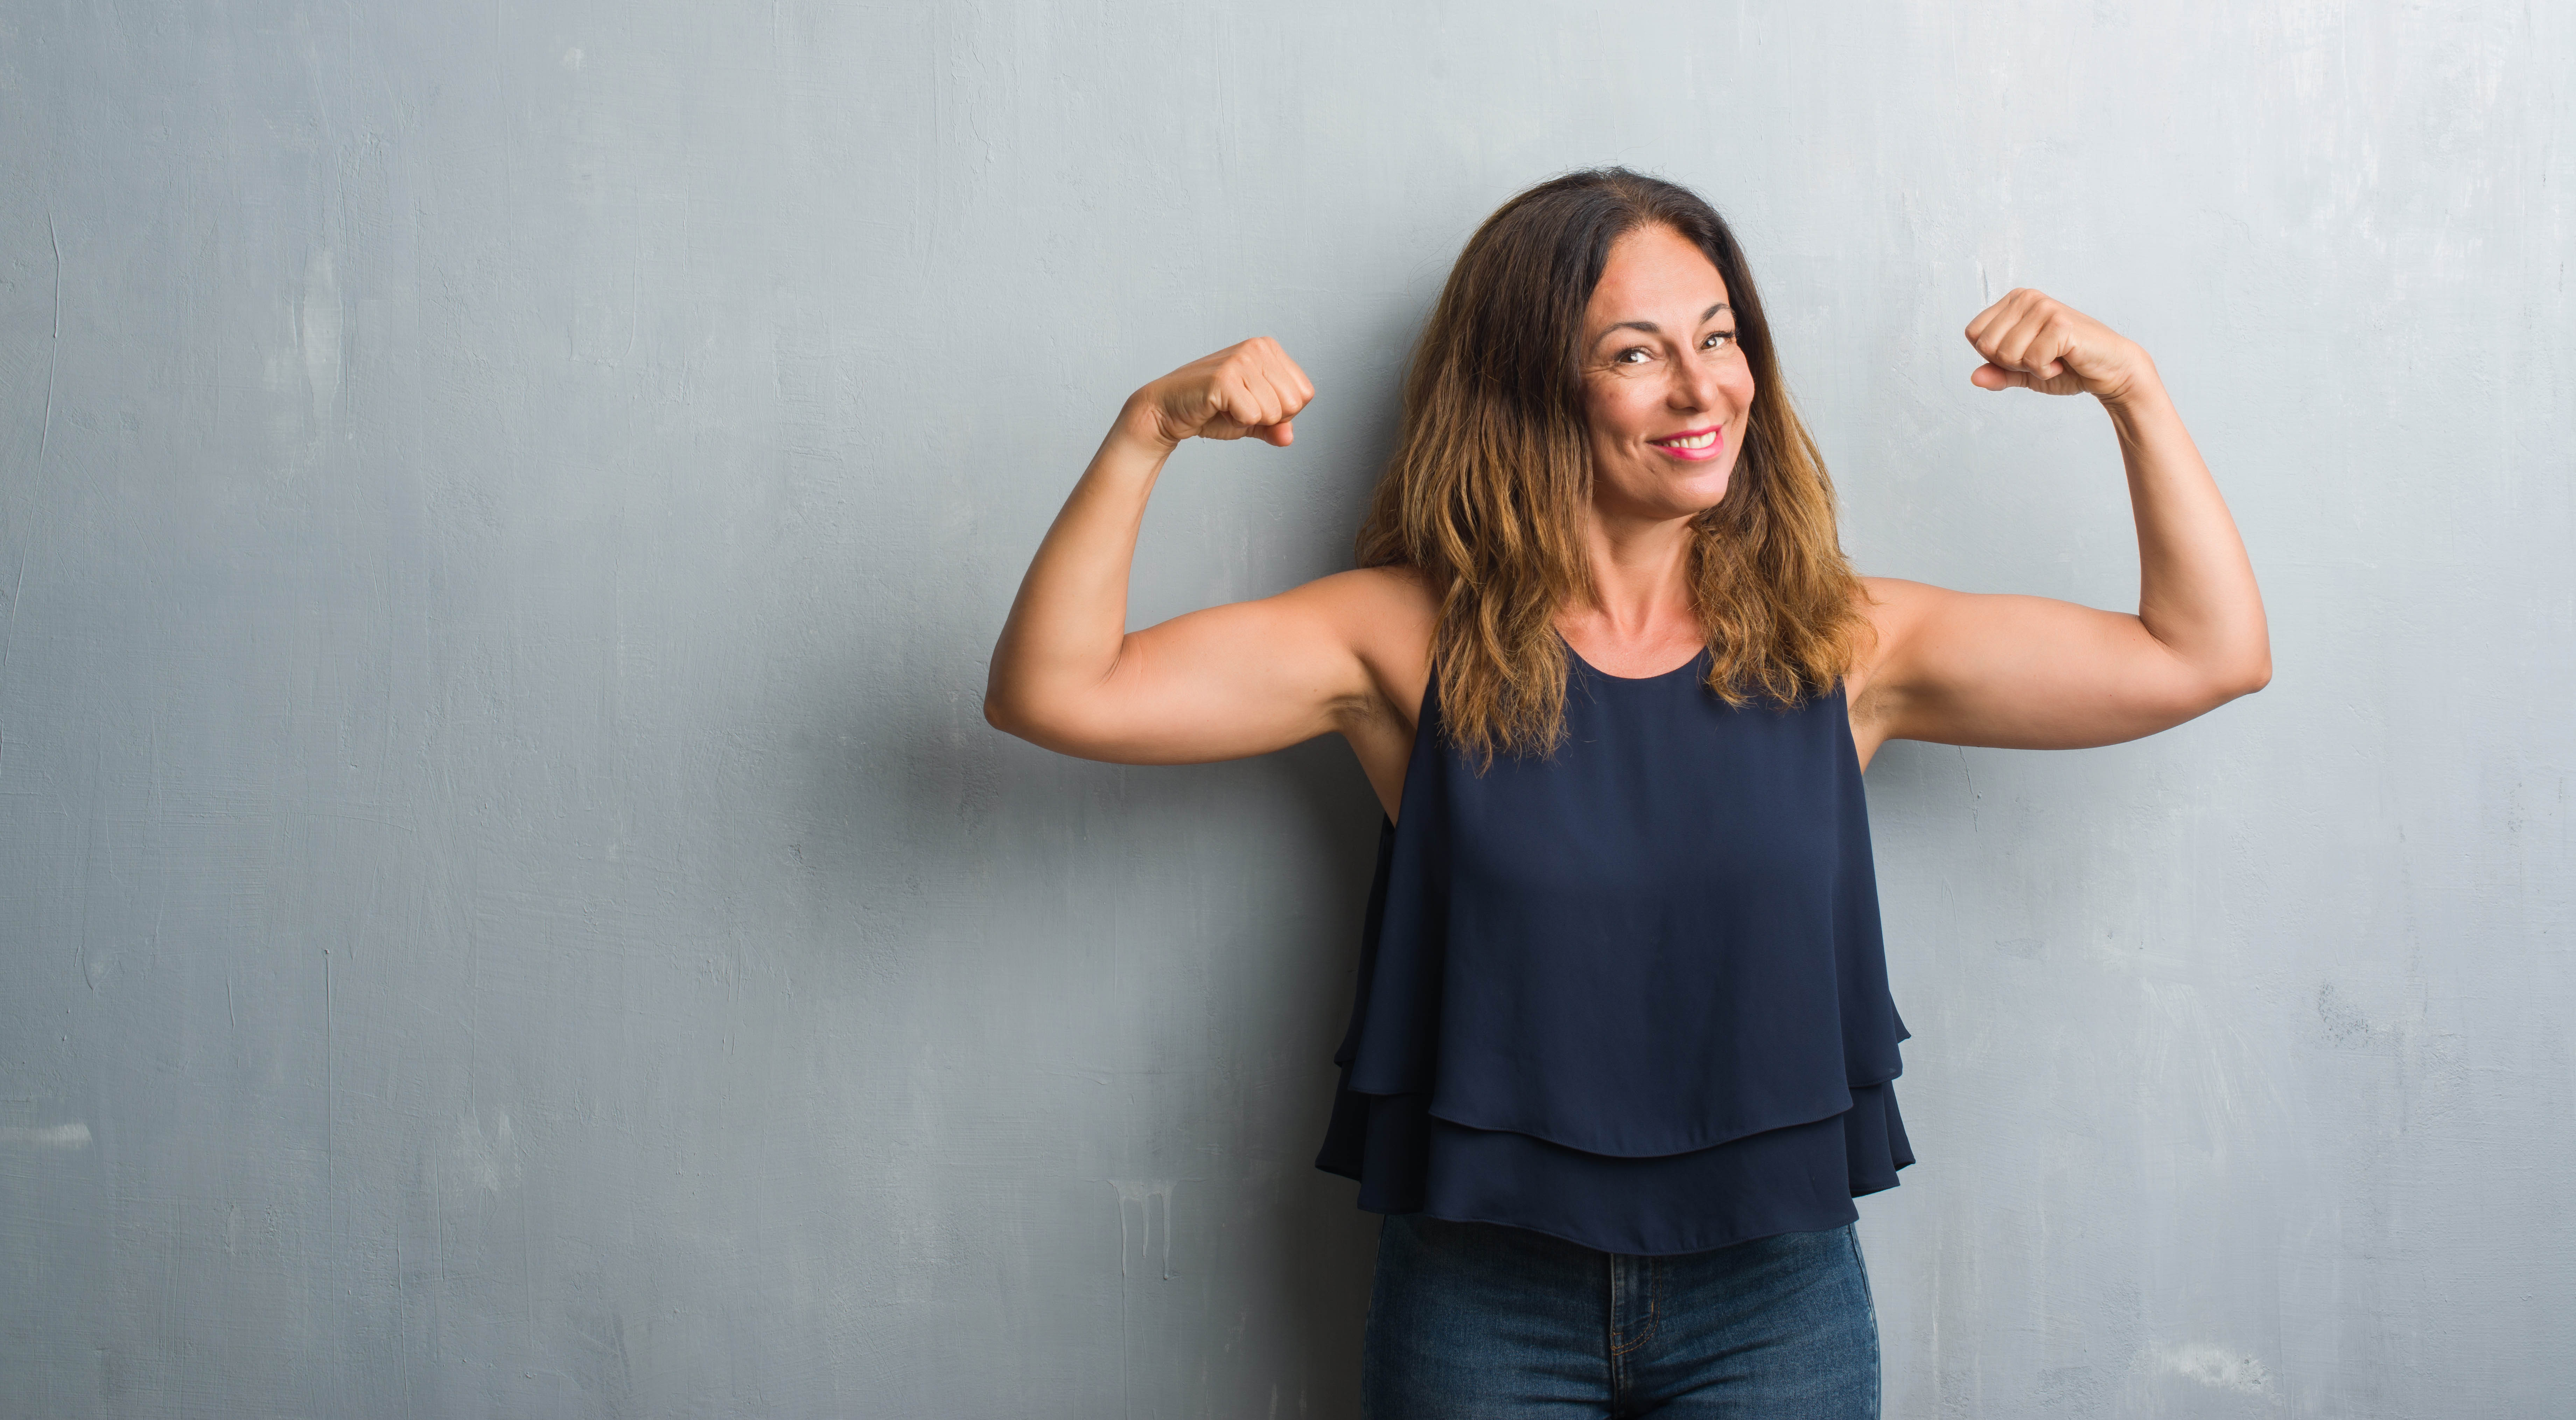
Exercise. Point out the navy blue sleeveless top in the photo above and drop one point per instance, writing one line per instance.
(1632, 994)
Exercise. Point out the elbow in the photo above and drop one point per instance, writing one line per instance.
(1003, 710)
(2239, 679)
(1011, 720)
(2199, 689)
(1010, 712)
(2252, 672)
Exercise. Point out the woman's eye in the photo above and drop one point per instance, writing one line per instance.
(1621, 358)
(1717, 340)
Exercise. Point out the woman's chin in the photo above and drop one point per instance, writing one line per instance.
(1657, 510)
(1687, 501)
(1701, 493)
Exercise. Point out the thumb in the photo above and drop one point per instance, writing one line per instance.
(1996, 377)
(1280, 435)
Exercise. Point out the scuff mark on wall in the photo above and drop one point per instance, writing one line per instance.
(53, 352)
(489, 1160)
(1144, 1193)
(2217, 1367)
(319, 328)
(46, 1136)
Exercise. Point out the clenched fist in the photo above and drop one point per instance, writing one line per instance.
(2035, 343)
(1252, 388)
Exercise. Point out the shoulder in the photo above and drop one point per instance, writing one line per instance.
(1373, 588)
(1895, 605)
(1369, 603)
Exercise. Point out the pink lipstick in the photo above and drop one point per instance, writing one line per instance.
(1695, 445)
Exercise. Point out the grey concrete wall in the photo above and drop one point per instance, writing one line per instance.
(508, 905)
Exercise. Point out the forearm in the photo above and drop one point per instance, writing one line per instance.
(2196, 591)
(1070, 618)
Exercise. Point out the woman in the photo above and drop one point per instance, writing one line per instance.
(1621, 1053)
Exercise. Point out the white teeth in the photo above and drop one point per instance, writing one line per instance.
(1695, 441)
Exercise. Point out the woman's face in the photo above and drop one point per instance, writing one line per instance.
(1665, 389)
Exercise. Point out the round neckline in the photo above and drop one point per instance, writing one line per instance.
(1631, 679)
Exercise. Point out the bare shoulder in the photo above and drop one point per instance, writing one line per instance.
(1377, 588)
(1883, 595)
(1402, 592)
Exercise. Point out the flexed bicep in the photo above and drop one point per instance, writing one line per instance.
(1066, 674)
(2024, 672)
(2032, 672)
(1224, 682)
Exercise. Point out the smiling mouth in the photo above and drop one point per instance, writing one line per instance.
(1689, 441)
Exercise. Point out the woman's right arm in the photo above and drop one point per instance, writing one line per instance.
(1223, 683)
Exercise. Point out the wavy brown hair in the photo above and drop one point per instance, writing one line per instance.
(1492, 477)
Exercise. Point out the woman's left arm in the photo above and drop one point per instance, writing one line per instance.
(2033, 673)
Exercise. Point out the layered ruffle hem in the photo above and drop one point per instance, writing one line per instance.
(1632, 995)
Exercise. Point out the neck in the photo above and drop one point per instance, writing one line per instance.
(1640, 580)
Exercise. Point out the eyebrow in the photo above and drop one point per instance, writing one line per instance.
(1653, 329)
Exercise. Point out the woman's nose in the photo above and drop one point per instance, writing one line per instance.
(1698, 387)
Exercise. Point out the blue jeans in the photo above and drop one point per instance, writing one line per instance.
(1496, 1323)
